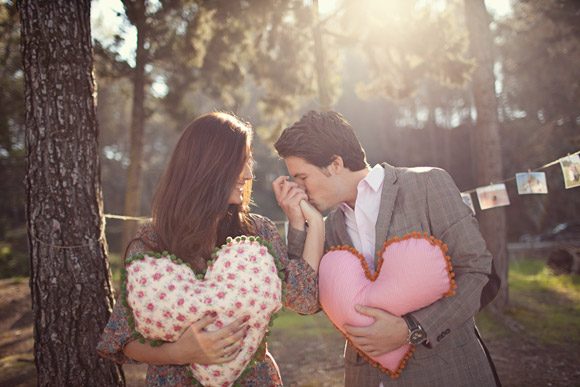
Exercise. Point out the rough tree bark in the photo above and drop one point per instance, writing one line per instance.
(488, 158)
(70, 278)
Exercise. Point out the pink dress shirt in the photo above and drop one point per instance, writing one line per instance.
(361, 221)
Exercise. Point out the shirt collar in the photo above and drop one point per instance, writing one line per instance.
(374, 179)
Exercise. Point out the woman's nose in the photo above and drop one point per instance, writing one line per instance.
(247, 173)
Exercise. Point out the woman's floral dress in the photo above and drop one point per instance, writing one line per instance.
(301, 296)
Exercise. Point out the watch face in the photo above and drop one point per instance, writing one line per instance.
(417, 336)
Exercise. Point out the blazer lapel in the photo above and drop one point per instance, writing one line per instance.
(388, 197)
(338, 235)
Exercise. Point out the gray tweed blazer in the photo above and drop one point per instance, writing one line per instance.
(427, 200)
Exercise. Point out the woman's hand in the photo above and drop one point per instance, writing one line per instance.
(314, 244)
(194, 346)
(199, 346)
(311, 214)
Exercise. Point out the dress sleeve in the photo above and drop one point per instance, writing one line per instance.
(296, 240)
(117, 332)
(301, 281)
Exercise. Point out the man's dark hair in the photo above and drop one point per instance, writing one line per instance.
(318, 137)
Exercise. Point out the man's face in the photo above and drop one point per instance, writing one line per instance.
(321, 187)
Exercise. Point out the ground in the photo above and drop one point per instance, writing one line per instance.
(308, 349)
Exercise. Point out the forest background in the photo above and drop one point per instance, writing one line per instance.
(410, 99)
(482, 89)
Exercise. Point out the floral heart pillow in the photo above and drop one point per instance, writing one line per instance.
(166, 297)
(412, 272)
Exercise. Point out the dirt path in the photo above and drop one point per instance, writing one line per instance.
(309, 358)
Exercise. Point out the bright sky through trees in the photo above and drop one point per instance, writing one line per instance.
(108, 20)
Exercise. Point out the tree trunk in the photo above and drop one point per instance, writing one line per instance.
(323, 92)
(487, 139)
(134, 183)
(432, 129)
(69, 277)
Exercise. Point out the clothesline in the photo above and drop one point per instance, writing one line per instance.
(145, 219)
(277, 222)
(529, 170)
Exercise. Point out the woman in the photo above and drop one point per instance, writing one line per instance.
(201, 200)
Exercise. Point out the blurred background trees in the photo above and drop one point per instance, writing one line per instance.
(13, 239)
(400, 71)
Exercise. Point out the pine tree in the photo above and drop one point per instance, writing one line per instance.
(488, 156)
(70, 281)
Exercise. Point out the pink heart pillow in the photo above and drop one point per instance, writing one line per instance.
(166, 297)
(412, 272)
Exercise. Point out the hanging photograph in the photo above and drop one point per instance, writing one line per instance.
(491, 196)
(531, 183)
(571, 170)
(467, 200)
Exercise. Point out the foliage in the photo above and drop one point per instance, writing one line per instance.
(540, 51)
(221, 50)
(208, 55)
(256, 52)
(407, 42)
(13, 243)
(255, 58)
(14, 259)
(11, 80)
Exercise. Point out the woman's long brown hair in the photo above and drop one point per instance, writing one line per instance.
(190, 207)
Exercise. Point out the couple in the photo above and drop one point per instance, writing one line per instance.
(203, 198)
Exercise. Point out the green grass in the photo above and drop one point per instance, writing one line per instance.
(546, 305)
(290, 323)
(116, 263)
(533, 275)
(490, 327)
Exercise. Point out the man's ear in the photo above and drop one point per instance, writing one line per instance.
(336, 166)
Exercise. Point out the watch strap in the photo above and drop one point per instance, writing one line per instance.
(412, 324)
(416, 333)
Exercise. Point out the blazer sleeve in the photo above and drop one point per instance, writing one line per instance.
(301, 281)
(117, 332)
(452, 222)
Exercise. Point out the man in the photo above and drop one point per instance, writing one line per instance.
(369, 205)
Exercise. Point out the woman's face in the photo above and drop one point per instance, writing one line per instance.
(237, 195)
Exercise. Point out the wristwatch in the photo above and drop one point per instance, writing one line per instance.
(416, 333)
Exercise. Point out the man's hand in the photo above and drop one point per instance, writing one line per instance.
(288, 195)
(386, 334)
